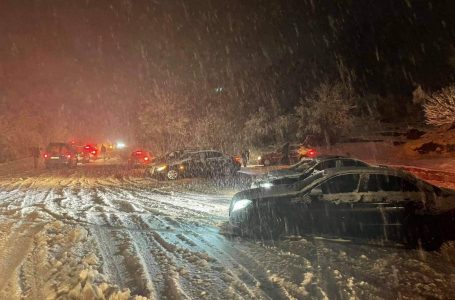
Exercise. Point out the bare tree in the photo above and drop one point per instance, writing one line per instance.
(327, 113)
(440, 107)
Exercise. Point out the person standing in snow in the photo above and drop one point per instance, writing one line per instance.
(245, 157)
(103, 152)
(35, 154)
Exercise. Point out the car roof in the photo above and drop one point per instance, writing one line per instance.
(329, 173)
(366, 170)
(201, 151)
(329, 156)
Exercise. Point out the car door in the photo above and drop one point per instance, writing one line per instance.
(195, 163)
(331, 202)
(383, 206)
(214, 162)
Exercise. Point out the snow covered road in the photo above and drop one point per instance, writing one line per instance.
(102, 233)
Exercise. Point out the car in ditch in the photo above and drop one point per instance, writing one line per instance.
(369, 203)
(206, 163)
(305, 168)
(60, 154)
(296, 153)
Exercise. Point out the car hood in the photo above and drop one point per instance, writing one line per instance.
(260, 193)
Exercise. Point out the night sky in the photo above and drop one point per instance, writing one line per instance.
(94, 60)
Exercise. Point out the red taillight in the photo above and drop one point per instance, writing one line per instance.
(146, 158)
(138, 152)
(46, 155)
(87, 147)
(93, 152)
(311, 153)
(68, 155)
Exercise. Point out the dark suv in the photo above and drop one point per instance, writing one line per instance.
(206, 163)
(60, 154)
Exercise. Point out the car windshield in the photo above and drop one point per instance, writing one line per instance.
(302, 184)
(58, 148)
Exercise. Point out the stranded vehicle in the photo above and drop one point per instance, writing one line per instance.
(196, 163)
(296, 153)
(140, 158)
(305, 168)
(60, 154)
(366, 203)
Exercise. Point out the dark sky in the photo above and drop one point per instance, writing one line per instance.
(93, 60)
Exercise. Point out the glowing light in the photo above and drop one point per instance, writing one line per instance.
(120, 145)
(241, 204)
(267, 185)
(161, 168)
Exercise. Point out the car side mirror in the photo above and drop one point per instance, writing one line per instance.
(315, 193)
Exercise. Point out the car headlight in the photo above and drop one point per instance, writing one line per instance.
(241, 204)
(259, 157)
(161, 168)
(266, 185)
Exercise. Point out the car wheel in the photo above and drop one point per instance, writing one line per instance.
(172, 174)
(266, 162)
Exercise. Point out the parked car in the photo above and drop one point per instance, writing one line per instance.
(305, 168)
(60, 154)
(89, 153)
(366, 203)
(296, 153)
(140, 158)
(198, 163)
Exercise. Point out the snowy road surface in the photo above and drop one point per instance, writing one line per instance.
(102, 233)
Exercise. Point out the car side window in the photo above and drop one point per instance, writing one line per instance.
(328, 164)
(213, 154)
(389, 183)
(352, 163)
(409, 186)
(341, 184)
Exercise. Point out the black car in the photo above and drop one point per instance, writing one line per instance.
(195, 163)
(366, 203)
(60, 154)
(305, 168)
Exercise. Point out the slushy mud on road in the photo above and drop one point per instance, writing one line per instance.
(100, 232)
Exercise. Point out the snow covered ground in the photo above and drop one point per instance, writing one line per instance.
(102, 232)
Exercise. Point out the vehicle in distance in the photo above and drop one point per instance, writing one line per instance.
(305, 168)
(206, 163)
(296, 153)
(60, 154)
(88, 153)
(361, 203)
(140, 158)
